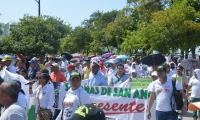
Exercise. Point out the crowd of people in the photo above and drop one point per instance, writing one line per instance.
(97, 73)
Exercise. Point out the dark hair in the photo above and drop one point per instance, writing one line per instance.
(24, 70)
(11, 88)
(180, 67)
(1, 80)
(46, 77)
(120, 65)
(44, 71)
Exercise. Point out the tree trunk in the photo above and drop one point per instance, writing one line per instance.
(193, 52)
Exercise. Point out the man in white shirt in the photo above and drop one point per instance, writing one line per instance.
(112, 70)
(169, 72)
(9, 91)
(161, 89)
(64, 62)
(194, 83)
(8, 62)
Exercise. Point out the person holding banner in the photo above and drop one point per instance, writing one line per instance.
(75, 97)
(45, 96)
(162, 90)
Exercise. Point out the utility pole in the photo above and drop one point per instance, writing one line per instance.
(38, 1)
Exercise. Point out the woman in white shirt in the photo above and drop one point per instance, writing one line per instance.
(44, 95)
(75, 97)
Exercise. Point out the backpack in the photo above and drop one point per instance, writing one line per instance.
(177, 96)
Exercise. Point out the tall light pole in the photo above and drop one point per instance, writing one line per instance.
(38, 1)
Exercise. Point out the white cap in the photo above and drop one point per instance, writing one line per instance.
(154, 73)
(133, 70)
(55, 64)
(133, 63)
(113, 61)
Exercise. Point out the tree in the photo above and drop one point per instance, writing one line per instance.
(37, 35)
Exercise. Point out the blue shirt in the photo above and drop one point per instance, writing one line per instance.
(97, 80)
(115, 80)
(32, 72)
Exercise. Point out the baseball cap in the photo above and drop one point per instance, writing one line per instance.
(75, 74)
(154, 73)
(32, 61)
(161, 68)
(70, 66)
(133, 70)
(6, 58)
(63, 57)
(88, 112)
(101, 63)
(55, 64)
(113, 61)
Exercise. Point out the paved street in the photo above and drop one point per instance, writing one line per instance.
(188, 116)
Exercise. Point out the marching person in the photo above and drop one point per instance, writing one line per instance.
(112, 70)
(194, 83)
(96, 78)
(86, 70)
(56, 75)
(161, 89)
(44, 95)
(75, 97)
(32, 69)
(119, 77)
(8, 63)
(103, 69)
(9, 91)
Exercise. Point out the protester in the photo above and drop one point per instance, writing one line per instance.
(21, 96)
(70, 69)
(48, 64)
(154, 77)
(64, 62)
(24, 73)
(96, 78)
(44, 95)
(40, 64)
(112, 70)
(32, 69)
(183, 78)
(126, 66)
(88, 112)
(119, 77)
(75, 97)
(9, 91)
(103, 69)
(169, 72)
(19, 66)
(135, 66)
(194, 83)
(161, 89)
(56, 75)
(7, 61)
(173, 66)
(78, 67)
(133, 73)
(86, 70)
(28, 58)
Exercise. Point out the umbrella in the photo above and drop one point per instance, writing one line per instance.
(113, 56)
(190, 64)
(68, 56)
(77, 55)
(154, 59)
(75, 59)
(106, 55)
(122, 57)
(96, 58)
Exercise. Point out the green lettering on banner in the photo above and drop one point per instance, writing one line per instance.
(143, 94)
(109, 91)
(87, 89)
(127, 92)
(97, 90)
(120, 93)
(141, 83)
(67, 87)
(103, 91)
(91, 90)
(115, 92)
(136, 94)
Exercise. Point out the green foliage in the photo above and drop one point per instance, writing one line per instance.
(36, 35)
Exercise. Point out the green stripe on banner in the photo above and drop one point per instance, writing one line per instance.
(31, 113)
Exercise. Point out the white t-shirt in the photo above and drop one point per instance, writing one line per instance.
(74, 99)
(149, 86)
(22, 100)
(12, 69)
(195, 84)
(169, 75)
(163, 94)
(14, 112)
